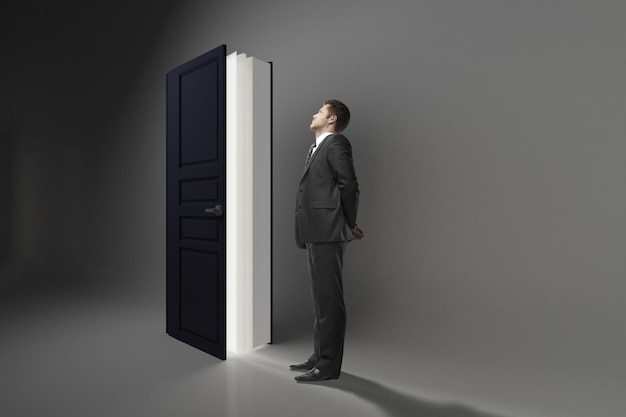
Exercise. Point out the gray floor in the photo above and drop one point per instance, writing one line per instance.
(71, 354)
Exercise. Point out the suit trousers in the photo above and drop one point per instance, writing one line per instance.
(325, 262)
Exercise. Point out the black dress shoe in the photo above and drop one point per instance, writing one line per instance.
(304, 366)
(315, 375)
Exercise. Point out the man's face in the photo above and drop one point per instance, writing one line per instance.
(321, 120)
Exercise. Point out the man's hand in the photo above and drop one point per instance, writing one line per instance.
(357, 233)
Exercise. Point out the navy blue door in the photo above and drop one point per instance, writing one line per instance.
(196, 197)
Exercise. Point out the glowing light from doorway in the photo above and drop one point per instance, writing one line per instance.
(248, 205)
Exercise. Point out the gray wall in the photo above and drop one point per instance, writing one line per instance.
(6, 185)
(488, 139)
(85, 193)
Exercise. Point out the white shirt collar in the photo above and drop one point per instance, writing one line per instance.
(320, 139)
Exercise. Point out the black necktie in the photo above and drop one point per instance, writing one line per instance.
(311, 148)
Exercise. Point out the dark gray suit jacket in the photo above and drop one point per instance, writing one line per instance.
(328, 194)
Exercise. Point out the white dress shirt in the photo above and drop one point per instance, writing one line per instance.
(320, 139)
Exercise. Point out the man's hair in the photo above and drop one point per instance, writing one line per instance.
(337, 108)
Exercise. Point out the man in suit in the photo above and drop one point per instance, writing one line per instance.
(326, 208)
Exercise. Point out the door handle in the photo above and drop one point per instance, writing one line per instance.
(217, 210)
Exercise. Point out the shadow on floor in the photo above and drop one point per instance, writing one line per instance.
(398, 404)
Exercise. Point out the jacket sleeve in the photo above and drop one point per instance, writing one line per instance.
(342, 166)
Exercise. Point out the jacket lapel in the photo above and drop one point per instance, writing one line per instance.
(317, 152)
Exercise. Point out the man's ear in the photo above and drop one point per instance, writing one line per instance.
(332, 118)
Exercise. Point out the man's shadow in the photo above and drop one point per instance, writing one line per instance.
(397, 404)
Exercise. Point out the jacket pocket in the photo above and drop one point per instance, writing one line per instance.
(324, 204)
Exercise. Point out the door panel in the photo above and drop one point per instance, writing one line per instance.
(196, 178)
(199, 286)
